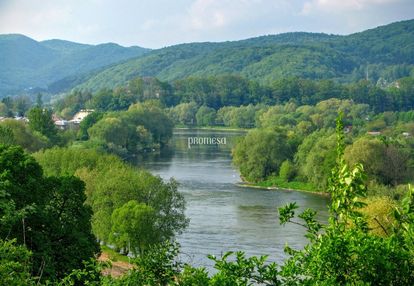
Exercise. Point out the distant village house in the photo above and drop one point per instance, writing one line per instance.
(74, 122)
(78, 117)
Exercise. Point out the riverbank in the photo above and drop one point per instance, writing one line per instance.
(276, 183)
(120, 264)
(211, 128)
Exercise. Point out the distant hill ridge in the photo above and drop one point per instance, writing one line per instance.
(55, 65)
(27, 64)
(386, 51)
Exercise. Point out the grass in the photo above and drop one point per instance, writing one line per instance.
(278, 182)
(113, 255)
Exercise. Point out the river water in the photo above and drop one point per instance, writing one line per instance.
(226, 217)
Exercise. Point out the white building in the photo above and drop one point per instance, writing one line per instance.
(78, 117)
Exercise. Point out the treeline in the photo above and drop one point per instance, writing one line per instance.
(141, 128)
(296, 143)
(37, 131)
(228, 101)
(94, 196)
(223, 91)
(19, 105)
(249, 116)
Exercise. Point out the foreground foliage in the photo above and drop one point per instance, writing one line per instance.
(342, 252)
(44, 214)
(346, 253)
(117, 192)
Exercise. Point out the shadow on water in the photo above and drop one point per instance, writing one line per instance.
(225, 217)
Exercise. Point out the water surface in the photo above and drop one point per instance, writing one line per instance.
(226, 217)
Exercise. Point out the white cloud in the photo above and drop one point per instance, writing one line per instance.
(157, 23)
(31, 17)
(205, 14)
(340, 6)
(213, 14)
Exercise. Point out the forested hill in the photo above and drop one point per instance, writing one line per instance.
(386, 51)
(27, 64)
(53, 66)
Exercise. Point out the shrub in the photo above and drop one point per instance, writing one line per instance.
(287, 171)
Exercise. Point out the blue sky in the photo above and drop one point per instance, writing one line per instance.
(160, 23)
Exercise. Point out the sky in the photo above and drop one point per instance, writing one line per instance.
(160, 23)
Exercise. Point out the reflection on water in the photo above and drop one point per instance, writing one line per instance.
(224, 216)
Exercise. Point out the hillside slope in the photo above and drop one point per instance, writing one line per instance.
(26, 64)
(386, 51)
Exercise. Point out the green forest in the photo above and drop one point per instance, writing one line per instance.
(363, 161)
(28, 66)
(384, 53)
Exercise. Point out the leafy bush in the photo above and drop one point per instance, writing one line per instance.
(14, 264)
(260, 154)
(379, 214)
(346, 253)
(287, 171)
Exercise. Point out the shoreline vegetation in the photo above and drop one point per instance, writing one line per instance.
(211, 128)
(276, 183)
(271, 183)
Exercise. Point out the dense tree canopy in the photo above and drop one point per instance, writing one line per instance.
(224, 91)
(15, 264)
(143, 127)
(40, 120)
(133, 227)
(46, 214)
(110, 185)
(88, 122)
(290, 88)
(19, 133)
(386, 163)
(385, 52)
(261, 153)
(206, 116)
(319, 161)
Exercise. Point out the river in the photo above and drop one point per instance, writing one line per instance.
(223, 216)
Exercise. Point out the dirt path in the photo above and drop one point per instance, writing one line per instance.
(118, 267)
